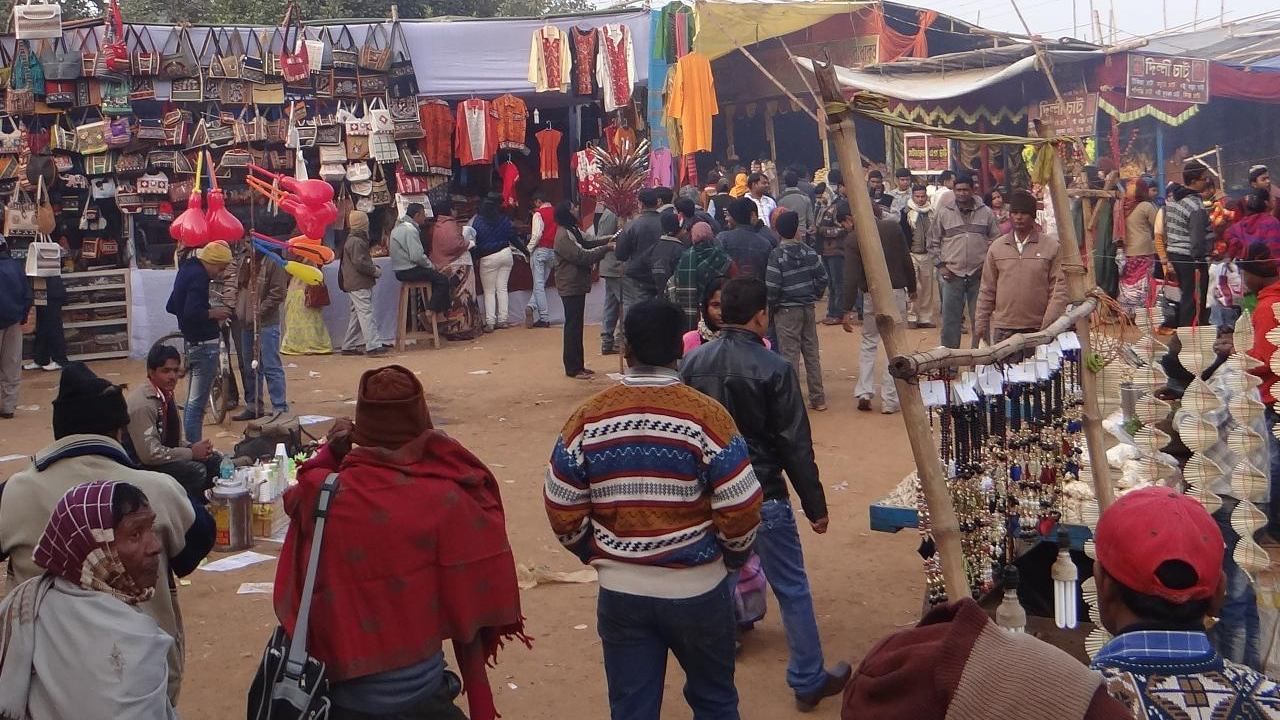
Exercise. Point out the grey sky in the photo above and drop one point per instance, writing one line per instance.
(1053, 18)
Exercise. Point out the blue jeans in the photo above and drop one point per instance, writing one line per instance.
(835, 285)
(1273, 507)
(270, 369)
(612, 311)
(202, 367)
(637, 631)
(957, 294)
(1236, 635)
(782, 558)
(541, 262)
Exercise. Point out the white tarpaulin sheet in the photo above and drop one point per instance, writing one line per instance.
(934, 80)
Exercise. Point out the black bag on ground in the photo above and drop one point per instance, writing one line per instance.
(290, 684)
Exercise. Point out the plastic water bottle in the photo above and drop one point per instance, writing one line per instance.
(226, 469)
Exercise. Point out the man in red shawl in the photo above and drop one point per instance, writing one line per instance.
(419, 555)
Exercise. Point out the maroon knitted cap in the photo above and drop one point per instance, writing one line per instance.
(391, 408)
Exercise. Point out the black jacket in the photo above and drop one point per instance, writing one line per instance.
(761, 391)
(635, 244)
(749, 247)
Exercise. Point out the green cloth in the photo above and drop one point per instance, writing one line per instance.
(1105, 272)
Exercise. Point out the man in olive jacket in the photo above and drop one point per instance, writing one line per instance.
(356, 277)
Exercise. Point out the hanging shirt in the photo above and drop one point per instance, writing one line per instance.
(510, 175)
(511, 118)
(549, 153)
(549, 60)
(583, 41)
(437, 142)
(693, 102)
(586, 167)
(477, 137)
(660, 168)
(615, 66)
(619, 139)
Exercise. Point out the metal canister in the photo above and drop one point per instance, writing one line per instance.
(232, 515)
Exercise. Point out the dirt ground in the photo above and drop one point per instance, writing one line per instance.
(865, 584)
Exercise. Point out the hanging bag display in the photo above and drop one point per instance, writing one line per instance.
(372, 84)
(145, 59)
(357, 171)
(131, 164)
(412, 159)
(379, 116)
(6, 66)
(156, 183)
(271, 55)
(382, 146)
(179, 58)
(294, 64)
(344, 52)
(20, 216)
(59, 63)
(37, 19)
(315, 52)
(91, 134)
(10, 136)
(375, 53)
(252, 67)
(380, 195)
(114, 62)
(229, 60)
(46, 219)
(402, 80)
(406, 183)
(115, 96)
(119, 132)
(25, 82)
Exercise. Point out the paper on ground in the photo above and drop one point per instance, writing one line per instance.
(237, 561)
(256, 587)
(531, 577)
(313, 419)
(8, 458)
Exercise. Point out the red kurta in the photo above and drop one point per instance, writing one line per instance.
(549, 153)
(477, 132)
(437, 144)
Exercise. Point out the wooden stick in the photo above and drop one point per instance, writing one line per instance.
(1073, 270)
(1089, 211)
(908, 367)
(933, 479)
(1041, 56)
(742, 49)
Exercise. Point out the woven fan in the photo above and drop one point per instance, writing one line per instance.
(1089, 593)
(1095, 641)
(1273, 336)
(1110, 378)
(1250, 556)
(1199, 399)
(1151, 439)
(1148, 319)
(1243, 362)
(1089, 513)
(1197, 347)
(1202, 471)
(1149, 349)
(1243, 336)
(1275, 310)
(622, 175)
(1245, 442)
(1245, 409)
(1248, 482)
(1150, 410)
(1247, 519)
(1197, 433)
(1090, 550)
(1149, 376)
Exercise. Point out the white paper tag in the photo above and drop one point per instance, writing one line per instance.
(991, 381)
(1069, 341)
(1020, 373)
(964, 391)
(934, 393)
(1042, 369)
(1042, 352)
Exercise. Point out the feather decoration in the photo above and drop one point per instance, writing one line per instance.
(1248, 482)
(622, 176)
(1197, 433)
(1243, 336)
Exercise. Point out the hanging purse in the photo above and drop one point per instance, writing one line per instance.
(119, 132)
(46, 219)
(114, 62)
(408, 130)
(316, 49)
(235, 158)
(372, 84)
(406, 183)
(375, 53)
(20, 216)
(378, 116)
(187, 89)
(334, 154)
(268, 93)
(291, 683)
(362, 188)
(380, 195)
(346, 84)
(271, 56)
(177, 127)
(332, 171)
(36, 19)
(229, 61)
(357, 171)
(102, 188)
(402, 108)
(91, 136)
(357, 147)
(358, 125)
(153, 184)
(131, 164)
(382, 146)
(343, 52)
(150, 129)
(141, 87)
(252, 67)
(219, 134)
(115, 96)
(412, 160)
(180, 190)
(58, 62)
(402, 79)
(279, 160)
(145, 59)
(25, 82)
(10, 136)
(180, 61)
(294, 63)
(99, 165)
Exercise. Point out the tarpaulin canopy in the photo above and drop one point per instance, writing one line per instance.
(724, 25)
(949, 76)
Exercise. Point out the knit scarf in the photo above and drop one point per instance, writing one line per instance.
(914, 210)
(706, 333)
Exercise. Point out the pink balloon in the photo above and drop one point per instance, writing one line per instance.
(222, 224)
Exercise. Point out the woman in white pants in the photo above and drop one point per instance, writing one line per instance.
(494, 236)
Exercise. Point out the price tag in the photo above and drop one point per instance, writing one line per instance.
(1069, 341)
(1021, 373)
(934, 393)
(964, 391)
(1042, 352)
(991, 381)
(1042, 369)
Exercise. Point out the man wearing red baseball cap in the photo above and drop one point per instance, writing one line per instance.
(1159, 575)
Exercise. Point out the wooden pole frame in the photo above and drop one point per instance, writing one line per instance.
(933, 479)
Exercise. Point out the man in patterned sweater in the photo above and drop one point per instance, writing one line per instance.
(650, 482)
(1159, 575)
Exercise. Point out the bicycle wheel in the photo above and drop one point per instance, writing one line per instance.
(218, 397)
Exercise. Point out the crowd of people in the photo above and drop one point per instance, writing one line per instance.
(675, 484)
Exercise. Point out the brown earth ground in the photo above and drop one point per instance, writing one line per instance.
(865, 584)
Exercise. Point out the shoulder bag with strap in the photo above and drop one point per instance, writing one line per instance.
(290, 684)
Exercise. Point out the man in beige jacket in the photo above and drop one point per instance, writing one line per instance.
(89, 417)
(1022, 284)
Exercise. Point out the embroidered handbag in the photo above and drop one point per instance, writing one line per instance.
(270, 93)
(63, 163)
(332, 171)
(119, 133)
(60, 93)
(153, 184)
(129, 203)
(357, 147)
(141, 87)
(180, 61)
(271, 55)
(36, 19)
(382, 146)
(412, 159)
(177, 127)
(145, 60)
(252, 66)
(379, 116)
(58, 62)
(10, 136)
(213, 69)
(380, 195)
(403, 108)
(199, 135)
(324, 83)
(402, 80)
(358, 125)
(26, 72)
(115, 97)
(408, 130)
(372, 84)
(328, 132)
(89, 92)
(113, 61)
(365, 205)
(234, 91)
(180, 190)
(220, 134)
(101, 164)
(91, 137)
(406, 183)
(302, 135)
(362, 188)
(315, 52)
(236, 158)
(188, 89)
(279, 160)
(20, 216)
(61, 136)
(343, 53)
(357, 171)
(375, 54)
(150, 129)
(131, 164)
(102, 188)
(228, 60)
(333, 154)
(294, 63)
(346, 84)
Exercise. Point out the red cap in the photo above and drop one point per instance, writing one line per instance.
(1148, 527)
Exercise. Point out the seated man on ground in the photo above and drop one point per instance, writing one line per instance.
(75, 645)
(154, 435)
(1159, 576)
(415, 553)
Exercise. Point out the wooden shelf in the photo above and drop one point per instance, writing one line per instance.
(99, 355)
(96, 323)
(90, 287)
(116, 279)
(97, 305)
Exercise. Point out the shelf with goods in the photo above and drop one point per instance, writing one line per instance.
(96, 317)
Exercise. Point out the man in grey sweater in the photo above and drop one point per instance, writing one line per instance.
(611, 272)
(800, 203)
(409, 260)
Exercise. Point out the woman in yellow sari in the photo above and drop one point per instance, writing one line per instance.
(304, 329)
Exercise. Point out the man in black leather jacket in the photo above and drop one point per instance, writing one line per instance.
(761, 391)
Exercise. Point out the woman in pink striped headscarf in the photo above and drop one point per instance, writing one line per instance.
(72, 642)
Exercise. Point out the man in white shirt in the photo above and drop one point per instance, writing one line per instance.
(757, 186)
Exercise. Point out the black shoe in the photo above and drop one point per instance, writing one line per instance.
(352, 351)
(6, 416)
(247, 414)
(378, 351)
(864, 404)
(837, 678)
(542, 324)
(608, 350)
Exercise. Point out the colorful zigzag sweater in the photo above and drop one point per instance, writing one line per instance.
(651, 483)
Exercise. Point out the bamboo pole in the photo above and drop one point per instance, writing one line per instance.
(933, 479)
(1074, 271)
(909, 367)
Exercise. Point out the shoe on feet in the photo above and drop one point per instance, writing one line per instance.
(608, 350)
(529, 317)
(837, 678)
(542, 324)
(6, 416)
(51, 367)
(864, 404)
(246, 414)
(831, 321)
(583, 374)
(818, 407)
(378, 351)
(31, 365)
(352, 351)
(888, 410)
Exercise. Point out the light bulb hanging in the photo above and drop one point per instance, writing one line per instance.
(1010, 615)
(1064, 584)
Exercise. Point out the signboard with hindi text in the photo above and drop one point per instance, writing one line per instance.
(1076, 115)
(926, 154)
(1171, 79)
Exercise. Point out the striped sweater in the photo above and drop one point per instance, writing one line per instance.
(651, 483)
(795, 276)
